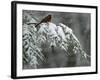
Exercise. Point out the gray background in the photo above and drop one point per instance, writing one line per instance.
(80, 24)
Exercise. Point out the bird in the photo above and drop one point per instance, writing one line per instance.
(45, 20)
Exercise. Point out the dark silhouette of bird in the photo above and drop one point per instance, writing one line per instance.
(44, 20)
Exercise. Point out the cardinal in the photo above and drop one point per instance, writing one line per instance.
(45, 20)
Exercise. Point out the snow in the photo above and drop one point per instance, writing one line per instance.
(57, 36)
(48, 28)
(65, 28)
(61, 33)
(51, 29)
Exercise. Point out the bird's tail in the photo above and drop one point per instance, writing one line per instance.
(37, 24)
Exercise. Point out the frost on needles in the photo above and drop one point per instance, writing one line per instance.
(49, 35)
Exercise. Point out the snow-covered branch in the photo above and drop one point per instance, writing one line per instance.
(57, 36)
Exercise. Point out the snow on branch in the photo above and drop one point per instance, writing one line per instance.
(57, 36)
